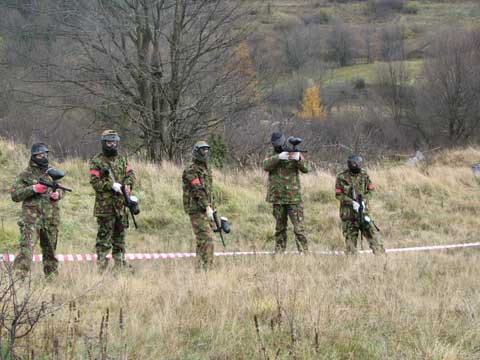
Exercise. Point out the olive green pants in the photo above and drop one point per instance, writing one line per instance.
(30, 234)
(351, 231)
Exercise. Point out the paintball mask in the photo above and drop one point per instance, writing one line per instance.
(37, 149)
(109, 137)
(355, 163)
(278, 140)
(200, 151)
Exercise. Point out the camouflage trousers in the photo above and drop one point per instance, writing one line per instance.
(111, 236)
(281, 213)
(30, 234)
(204, 237)
(351, 231)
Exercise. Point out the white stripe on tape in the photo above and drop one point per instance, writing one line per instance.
(162, 256)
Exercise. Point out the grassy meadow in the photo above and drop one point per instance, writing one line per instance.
(402, 306)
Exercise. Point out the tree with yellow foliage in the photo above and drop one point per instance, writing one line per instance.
(247, 70)
(312, 108)
(245, 59)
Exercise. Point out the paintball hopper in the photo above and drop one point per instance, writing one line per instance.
(133, 205)
(476, 170)
(55, 174)
(294, 140)
(225, 225)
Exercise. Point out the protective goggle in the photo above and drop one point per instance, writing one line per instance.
(112, 137)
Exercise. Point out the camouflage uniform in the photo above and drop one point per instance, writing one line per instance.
(39, 220)
(197, 195)
(345, 182)
(284, 192)
(109, 208)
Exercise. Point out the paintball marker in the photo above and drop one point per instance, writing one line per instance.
(222, 226)
(130, 201)
(294, 142)
(364, 222)
(56, 175)
(361, 218)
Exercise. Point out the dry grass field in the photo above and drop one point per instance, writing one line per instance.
(402, 306)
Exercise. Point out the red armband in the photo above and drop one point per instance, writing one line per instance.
(95, 173)
(370, 187)
(338, 191)
(195, 181)
(128, 169)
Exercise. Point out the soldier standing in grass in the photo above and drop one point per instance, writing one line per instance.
(284, 192)
(109, 171)
(198, 202)
(351, 183)
(40, 213)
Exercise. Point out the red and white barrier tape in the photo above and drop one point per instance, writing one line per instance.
(168, 256)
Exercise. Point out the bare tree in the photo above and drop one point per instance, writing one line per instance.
(368, 35)
(449, 96)
(393, 89)
(21, 308)
(392, 43)
(341, 44)
(301, 45)
(164, 71)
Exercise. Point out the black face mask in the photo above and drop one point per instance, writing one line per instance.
(43, 162)
(355, 170)
(109, 151)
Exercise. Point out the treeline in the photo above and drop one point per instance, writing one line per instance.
(165, 73)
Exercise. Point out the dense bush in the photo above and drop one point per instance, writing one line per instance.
(384, 8)
(410, 8)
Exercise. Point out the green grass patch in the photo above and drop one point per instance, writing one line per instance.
(367, 72)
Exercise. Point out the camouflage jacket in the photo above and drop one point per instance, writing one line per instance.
(345, 183)
(35, 207)
(107, 201)
(197, 187)
(283, 179)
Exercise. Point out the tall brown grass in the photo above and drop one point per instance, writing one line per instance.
(404, 306)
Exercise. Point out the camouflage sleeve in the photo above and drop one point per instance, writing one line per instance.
(303, 165)
(369, 188)
(21, 190)
(99, 182)
(341, 191)
(271, 162)
(129, 178)
(196, 188)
